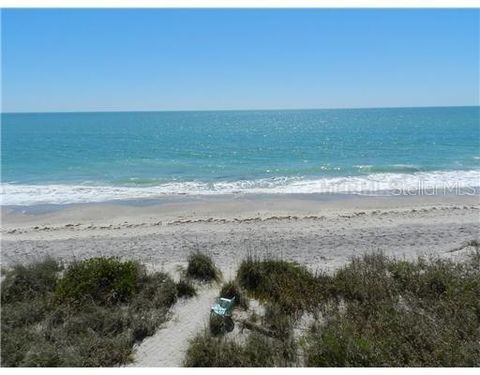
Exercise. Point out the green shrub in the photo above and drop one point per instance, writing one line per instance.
(185, 288)
(207, 351)
(15, 343)
(391, 337)
(401, 313)
(285, 284)
(201, 267)
(364, 279)
(99, 280)
(337, 346)
(154, 291)
(278, 321)
(42, 355)
(262, 351)
(52, 327)
(26, 282)
(24, 313)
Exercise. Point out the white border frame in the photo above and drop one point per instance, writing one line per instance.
(475, 4)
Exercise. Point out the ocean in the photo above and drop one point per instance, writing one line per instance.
(63, 158)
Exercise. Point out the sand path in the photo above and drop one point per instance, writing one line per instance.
(167, 347)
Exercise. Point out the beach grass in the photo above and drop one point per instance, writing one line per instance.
(185, 288)
(90, 315)
(401, 313)
(286, 284)
(206, 350)
(201, 267)
(374, 311)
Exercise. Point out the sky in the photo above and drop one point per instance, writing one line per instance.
(159, 59)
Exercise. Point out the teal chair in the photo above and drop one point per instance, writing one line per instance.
(223, 307)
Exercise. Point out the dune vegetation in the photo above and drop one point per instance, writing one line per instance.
(201, 267)
(88, 313)
(374, 311)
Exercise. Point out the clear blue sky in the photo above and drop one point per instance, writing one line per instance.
(88, 60)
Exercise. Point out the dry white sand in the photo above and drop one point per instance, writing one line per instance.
(317, 232)
(167, 347)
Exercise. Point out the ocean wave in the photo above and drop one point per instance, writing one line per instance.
(25, 195)
(393, 168)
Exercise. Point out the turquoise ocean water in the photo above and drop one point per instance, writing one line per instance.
(88, 157)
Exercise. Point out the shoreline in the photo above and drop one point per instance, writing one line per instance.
(320, 233)
(222, 208)
(384, 183)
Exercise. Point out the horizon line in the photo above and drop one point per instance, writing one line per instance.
(236, 109)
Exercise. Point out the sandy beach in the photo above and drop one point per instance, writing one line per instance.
(320, 232)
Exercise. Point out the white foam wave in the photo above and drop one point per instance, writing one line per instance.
(444, 181)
